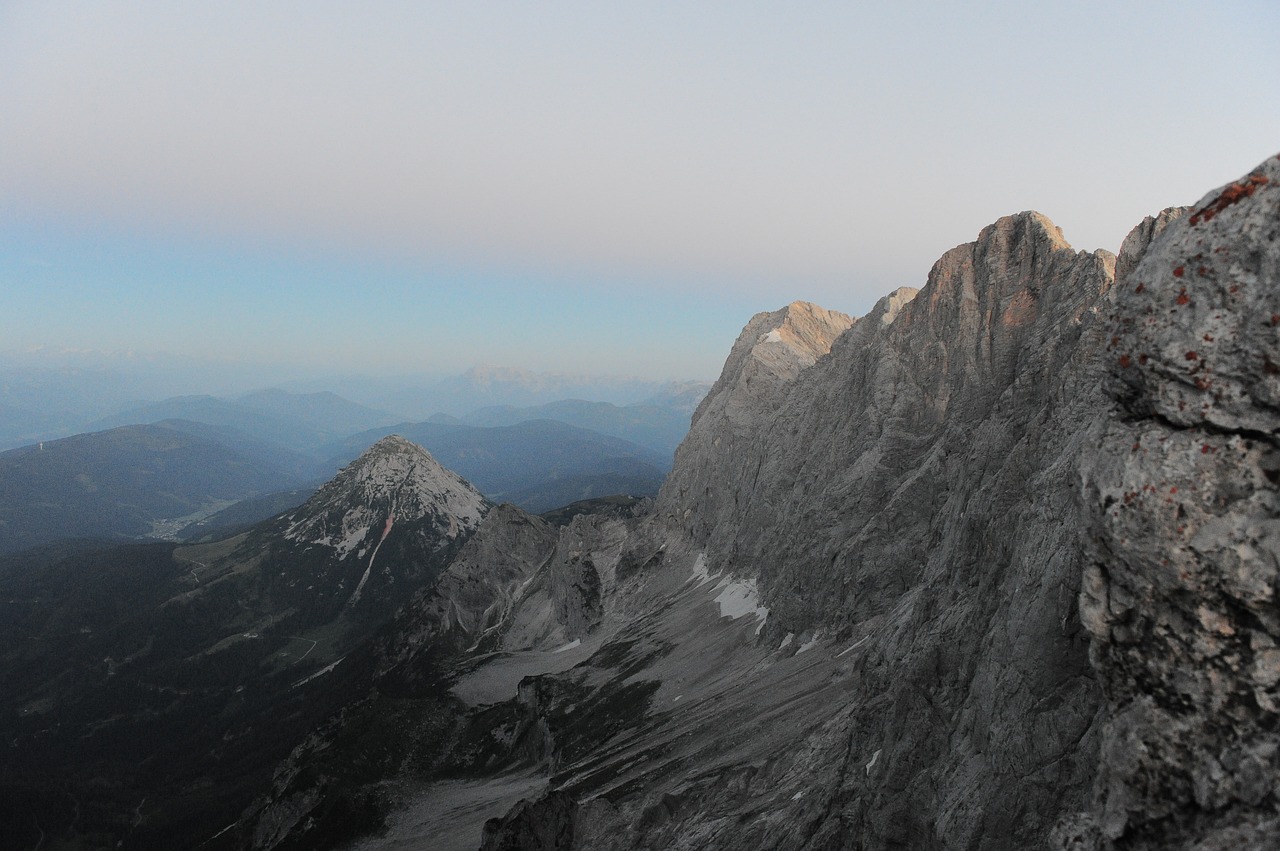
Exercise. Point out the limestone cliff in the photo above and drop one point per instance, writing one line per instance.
(913, 495)
(992, 567)
(1184, 513)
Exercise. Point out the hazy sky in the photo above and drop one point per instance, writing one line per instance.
(590, 187)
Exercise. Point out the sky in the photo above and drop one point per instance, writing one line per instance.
(401, 188)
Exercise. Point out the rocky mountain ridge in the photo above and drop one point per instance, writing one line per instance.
(392, 480)
(993, 566)
(895, 537)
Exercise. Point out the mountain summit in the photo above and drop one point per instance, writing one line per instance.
(393, 481)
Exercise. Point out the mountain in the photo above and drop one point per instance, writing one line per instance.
(537, 464)
(150, 689)
(297, 422)
(992, 566)
(325, 411)
(684, 396)
(121, 483)
(989, 573)
(656, 427)
(299, 465)
(489, 386)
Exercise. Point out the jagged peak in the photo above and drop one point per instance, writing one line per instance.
(393, 477)
(1029, 225)
(391, 444)
(1140, 238)
(773, 349)
(804, 328)
(889, 306)
(395, 464)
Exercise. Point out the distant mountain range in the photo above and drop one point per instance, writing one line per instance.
(296, 421)
(233, 462)
(654, 426)
(488, 386)
(46, 395)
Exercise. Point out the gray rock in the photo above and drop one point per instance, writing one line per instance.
(905, 511)
(1180, 597)
(993, 567)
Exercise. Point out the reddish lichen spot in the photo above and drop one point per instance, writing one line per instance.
(1232, 194)
(1178, 272)
(1142, 359)
(1275, 319)
(1173, 490)
(1137, 446)
(1192, 356)
(1183, 298)
(1139, 288)
(1208, 338)
(1203, 384)
(1124, 361)
(1202, 272)
(1233, 288)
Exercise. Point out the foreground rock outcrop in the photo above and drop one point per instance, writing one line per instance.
(1180, 595)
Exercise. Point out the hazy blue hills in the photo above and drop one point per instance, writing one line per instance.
(301, 466)
(488, 386)
(273, 446)
(297, 421)
(657, 427)
(536, 464)
(118, 483)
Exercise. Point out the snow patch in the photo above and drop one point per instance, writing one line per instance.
(577, 642)
(798, 795)
(861, 641)
(774, 336)
(810, 644)
(700, 572)
(874, 757)
(786, 642)
(352, 536)
(738, 598)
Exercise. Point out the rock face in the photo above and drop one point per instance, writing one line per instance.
(714, 458)
(1180, 595)
(370, 536)
(875, 607)
(854, 610)
(393, 480)
(913, 497)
